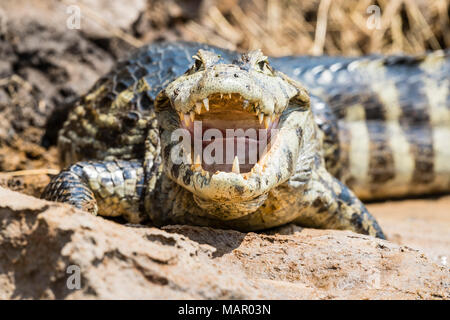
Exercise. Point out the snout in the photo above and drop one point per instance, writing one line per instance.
(226, 79)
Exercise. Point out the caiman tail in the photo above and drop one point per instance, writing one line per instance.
(393, 120)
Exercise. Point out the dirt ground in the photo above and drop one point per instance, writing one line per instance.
(422, 224)
(44, 67)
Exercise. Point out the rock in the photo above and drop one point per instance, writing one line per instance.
(44, 246)
(423, 224)
(95, 18)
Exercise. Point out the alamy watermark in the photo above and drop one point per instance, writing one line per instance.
(374, 19)
(73, 22)
(74, 279)
(371, 278)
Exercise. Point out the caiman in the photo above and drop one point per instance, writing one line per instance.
(186, 133)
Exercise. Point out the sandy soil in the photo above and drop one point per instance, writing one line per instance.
(420, 224)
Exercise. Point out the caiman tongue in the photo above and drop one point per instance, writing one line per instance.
(230, 136)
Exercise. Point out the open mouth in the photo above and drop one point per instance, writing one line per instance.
(228, 133)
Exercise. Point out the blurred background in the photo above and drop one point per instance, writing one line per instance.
(303, 27)
(53, 51)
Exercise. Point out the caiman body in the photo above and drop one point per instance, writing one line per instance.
(380, 125)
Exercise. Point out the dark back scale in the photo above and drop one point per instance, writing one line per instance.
(111, 121)
(117, 121)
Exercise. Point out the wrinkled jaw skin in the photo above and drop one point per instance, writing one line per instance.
(231, 132)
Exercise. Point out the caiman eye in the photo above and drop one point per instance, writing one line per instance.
(198, 64)
(264, 66)
(261, 65)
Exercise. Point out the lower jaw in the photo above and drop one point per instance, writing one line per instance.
(221, 154)
(230, 210)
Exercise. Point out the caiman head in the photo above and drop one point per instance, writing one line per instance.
(230, 132)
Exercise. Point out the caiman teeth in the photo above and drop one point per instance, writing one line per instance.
(261, 117)
(187, 120)
(206, 103)
(268, 119)
(198, 107)
(267, 122)
(235, 167)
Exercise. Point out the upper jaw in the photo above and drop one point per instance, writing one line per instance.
(270, 95)
(243, 104)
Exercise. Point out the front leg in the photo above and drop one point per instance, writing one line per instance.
(109, 188)
(329, 204)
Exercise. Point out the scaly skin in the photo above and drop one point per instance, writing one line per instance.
(124, 128)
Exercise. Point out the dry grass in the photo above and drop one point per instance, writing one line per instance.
(282, 27)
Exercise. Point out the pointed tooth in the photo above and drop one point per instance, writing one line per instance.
(245, 104)
(187, 120)
(221, 96)
(229, 96)
(192, 115)
(261, 117)
(235, 167)
(206, 103)
(181, 114)
(198, 107)
(267, 122)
